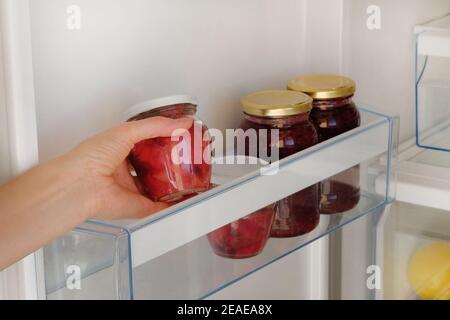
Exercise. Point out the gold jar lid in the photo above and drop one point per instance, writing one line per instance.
(323, 86)
(276, 103)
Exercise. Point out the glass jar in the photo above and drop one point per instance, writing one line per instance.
(162, 167)
(333, 114)
(288, 112)
(245, 237)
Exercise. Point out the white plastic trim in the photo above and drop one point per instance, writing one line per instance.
(434, 43)
(19, 281)
(318, 253)
(434, 38)
(419, 183)
(379, 294)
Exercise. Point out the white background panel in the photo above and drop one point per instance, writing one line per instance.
(134, 50)
(382, 61)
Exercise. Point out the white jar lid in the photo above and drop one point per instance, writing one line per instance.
(157, 103)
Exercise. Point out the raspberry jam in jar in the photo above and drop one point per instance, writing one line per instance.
(171, 169)
(288, 112)
(245, 237)
(333, 114)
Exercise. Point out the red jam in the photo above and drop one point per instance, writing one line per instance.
(245, 237)
(297, 214)
(164, 177)
(333, 117)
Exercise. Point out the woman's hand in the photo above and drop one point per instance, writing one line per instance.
(91, 181)
(113, 193)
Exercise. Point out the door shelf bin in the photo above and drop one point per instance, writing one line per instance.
(403, 230)
(168, 255)
(433, 84)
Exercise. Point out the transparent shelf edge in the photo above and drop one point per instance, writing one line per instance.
(311, 238)
(153, 243)
(404, 229)
(217, 207)
(432, 55)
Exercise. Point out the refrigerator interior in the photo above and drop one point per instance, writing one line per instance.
(129, 51)
(413, 236)
(123, 52)
(405, 229)
(183, 264)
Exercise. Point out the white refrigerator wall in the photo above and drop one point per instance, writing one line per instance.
(381, 61)
(127, 51)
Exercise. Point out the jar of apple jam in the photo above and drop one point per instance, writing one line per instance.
(287, 112)
(333, 114)
(171, 169)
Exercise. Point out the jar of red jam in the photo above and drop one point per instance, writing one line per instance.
(171, 169)
(248, 236)
(287, 112)
(333, 114)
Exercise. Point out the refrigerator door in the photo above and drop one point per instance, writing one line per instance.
(71, 68)
(414, 235)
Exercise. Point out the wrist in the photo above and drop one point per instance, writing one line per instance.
(77, 190)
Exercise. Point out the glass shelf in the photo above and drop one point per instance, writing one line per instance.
(434, 158)
(168, 255)
(423, 175)
(404, 229)
(433, 85)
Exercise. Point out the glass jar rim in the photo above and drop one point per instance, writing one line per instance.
(153, 104)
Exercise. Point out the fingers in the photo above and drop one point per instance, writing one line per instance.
(104, 158)
(141, 206)
(122, 203)
(106, 151)
(123, 177)
(137, 131)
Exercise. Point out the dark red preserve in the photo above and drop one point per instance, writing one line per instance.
(288, 112)
(333, 113)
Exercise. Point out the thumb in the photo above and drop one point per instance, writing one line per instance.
(130, 133)
(109, 149)
(136, 131)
